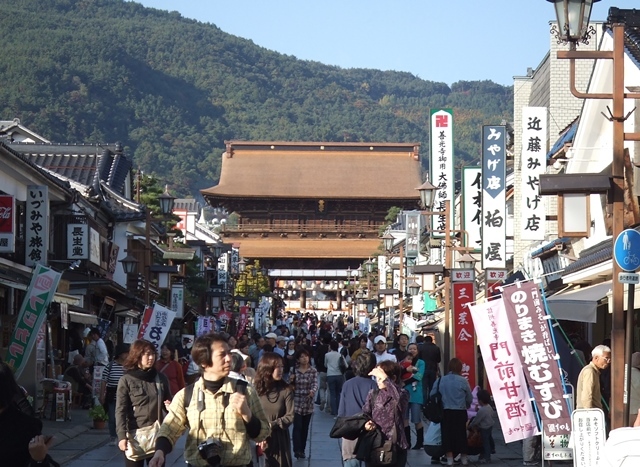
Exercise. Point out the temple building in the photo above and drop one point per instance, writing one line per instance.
(311, 212)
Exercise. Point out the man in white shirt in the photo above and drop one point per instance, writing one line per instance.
(281, 343)
(101, 356)
(380, 343)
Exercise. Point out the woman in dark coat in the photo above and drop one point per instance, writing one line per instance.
(277, 401)
(137, 395)
(387, 407)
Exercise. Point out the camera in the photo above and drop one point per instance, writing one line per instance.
(210, 451)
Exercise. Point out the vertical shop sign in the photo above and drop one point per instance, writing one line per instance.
(37, 225)
(504, 370)
(7, 224)
(413, 233)
(534, 163)
(532, 335)
(441, 167)
(464, 292)
(42, 288)
(177, 299)
(494, 225)
(77, 241)
(472, 207)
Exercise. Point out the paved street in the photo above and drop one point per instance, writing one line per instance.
(79, 445)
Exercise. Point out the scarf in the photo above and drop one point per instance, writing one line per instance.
(145, 375)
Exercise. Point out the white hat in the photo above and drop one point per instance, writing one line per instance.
(271, 335)
(281, 338)
(380, 339)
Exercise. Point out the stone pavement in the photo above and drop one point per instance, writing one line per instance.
(78, 444)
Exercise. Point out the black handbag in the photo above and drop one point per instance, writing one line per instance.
(433, 409)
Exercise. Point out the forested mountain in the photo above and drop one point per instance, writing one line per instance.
(173, 89)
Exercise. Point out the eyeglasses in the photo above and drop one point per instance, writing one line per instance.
(608, 359)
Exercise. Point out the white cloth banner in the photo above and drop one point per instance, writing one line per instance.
(155, 324)
(504, 370)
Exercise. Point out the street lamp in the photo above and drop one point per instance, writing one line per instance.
(467, 261)
(573, 21)
(129, 263)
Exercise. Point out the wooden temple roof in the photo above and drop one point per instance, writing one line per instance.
(257, 248)
(318, 170)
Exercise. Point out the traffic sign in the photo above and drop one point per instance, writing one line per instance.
(629, 278)
(626, 250)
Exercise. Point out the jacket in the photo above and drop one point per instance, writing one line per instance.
(216, 420)
(136, 403)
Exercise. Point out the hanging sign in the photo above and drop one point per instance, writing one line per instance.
(37, 225)
(441, 167)
(7, 224)
(494, 214)
(534, 163)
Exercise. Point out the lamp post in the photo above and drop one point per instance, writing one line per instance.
(129, 263)
(573, 27)
(427, 190)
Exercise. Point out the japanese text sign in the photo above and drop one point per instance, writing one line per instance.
(155, 324)
(472, 207)
(441, 166)
(494, 215)
(465, 346)
(177, 299)
(32, 314)
(504, 370)
(413, 230)
(588, 435)
(37, 225)
(534, 163)
(77, 241)
(532, 335)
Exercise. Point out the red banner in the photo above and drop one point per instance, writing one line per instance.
(463, 331)
(531, 334)
(144, 322)
(7, 224)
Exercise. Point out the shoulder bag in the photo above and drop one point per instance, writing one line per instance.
(433, 409)
(141, 443)
(385, 454)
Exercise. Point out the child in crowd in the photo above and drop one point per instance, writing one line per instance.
(483, 421)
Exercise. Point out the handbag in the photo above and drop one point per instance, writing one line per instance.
(141, 443)
(474, 440)
(385, 454)
(433, 409)
(342, 365)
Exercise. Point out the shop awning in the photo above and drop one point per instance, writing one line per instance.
(82, 318)
(578, 304)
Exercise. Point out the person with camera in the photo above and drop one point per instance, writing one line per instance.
(276, 397)
(220, 413)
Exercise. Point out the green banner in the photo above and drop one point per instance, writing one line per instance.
(430, 304)
(44, 284)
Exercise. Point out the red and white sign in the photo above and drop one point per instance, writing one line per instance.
(244, 319)
(504, 370)
(155, 324)
(7, 224)
(495, 278)
(465, 346)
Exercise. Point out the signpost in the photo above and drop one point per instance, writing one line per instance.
(626, 253)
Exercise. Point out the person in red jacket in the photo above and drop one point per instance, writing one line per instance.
(168, 366)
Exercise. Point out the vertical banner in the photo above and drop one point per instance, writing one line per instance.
(494, 214)
(77, 241)
(530, 325)
(244, 319)
(472, 207)
(504, 370)
(589, 435)
(205, 325)
(494, 280)
(223, 268)
(441, 166)
(37, 225)
(7, 224)
(94, 247)
(412, 242)
(534, 163)
(177, 299)
(42, 288)
(464, 292)
(155, 324)
(383, 268)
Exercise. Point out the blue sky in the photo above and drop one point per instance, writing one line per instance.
(436, 40)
